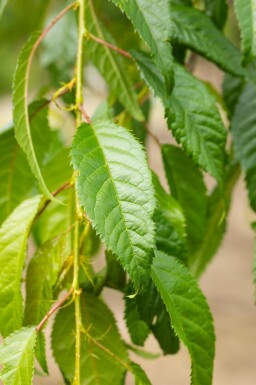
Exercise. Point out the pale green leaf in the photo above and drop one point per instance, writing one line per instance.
(112, 67)
(246, 14)
(20, 110)
(189, 313)
(153, 22)
(97, 365)
(16, 178)
(187, 187)
(13, 242)
(196, 30)
(196, 123)
(140, 376)
(41, 276)
(17, 356)
(243, 130)
(115, 188)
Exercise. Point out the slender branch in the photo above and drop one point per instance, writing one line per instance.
(63, 187)
(109, 45)
(47, 29)
(54, 309)
(75, 285)
(84, 113)
(153, 136)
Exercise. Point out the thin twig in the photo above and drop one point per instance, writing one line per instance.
(54, 309)
(109, 45)
(84, 113)
(63, 187)
(153, 136)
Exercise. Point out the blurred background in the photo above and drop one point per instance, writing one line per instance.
(227, 282)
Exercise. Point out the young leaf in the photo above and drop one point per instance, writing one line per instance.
(215, 227)
(97, 365)
(13, 241)
(17, 356)
(188, 188)
(20, 110)
(245, 11)
(189, 312)
(112, 66)
(196, 30)
(196, 123)
(153, 22)
(115, 188)
(218, 11)
(243, 128)
(140, 376)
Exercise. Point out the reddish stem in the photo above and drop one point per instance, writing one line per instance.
(54, 309)
(111, 46)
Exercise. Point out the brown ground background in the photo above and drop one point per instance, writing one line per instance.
(227, 285)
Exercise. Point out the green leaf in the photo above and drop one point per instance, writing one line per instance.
(195, 121)
(147, 309)
(192, 115)
(243, 129)
(13, 242)
(245, 11)
(116, 277)
(218, 11)
(140, 376)
(20, 110)
(196, 30)
(115, 188)
(2, 6)
(17, 356)
(40, 352)
(187, 187)
(217, 212)
(16, 178)
(97, 365)
(112, 67)
(137, 327)
(41, 276)
(231, 89)
(189, 312)
(153, 22)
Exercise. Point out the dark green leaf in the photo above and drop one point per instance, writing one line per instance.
(97, 365)
(116, 277)
(196, 123)
(196, 30)
(189, 312)
(153, 22)
(115, 188)
(218, 11)
(13, 242)
(187, 187)
(231, 88)
(243, 128)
